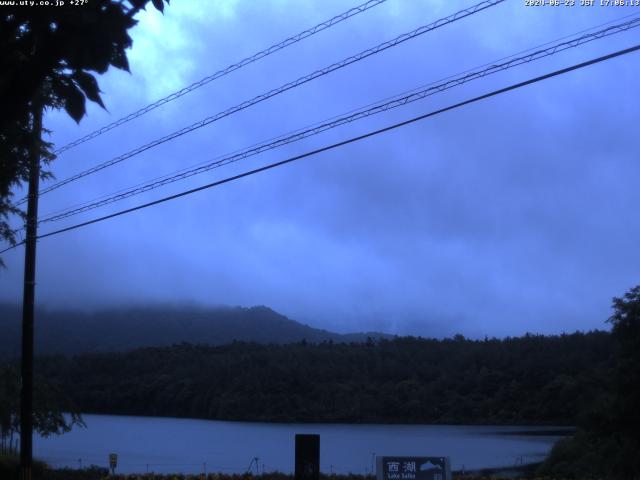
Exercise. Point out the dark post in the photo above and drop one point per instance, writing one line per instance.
(28, 302)
(307, 457)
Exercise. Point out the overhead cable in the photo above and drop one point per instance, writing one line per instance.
(272, 139)
(288, 86)
(357, 115)
(344, 142)
(225, 71)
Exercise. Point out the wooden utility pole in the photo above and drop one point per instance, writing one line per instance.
(28, 302)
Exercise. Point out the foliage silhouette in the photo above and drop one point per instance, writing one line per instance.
(49, 405)
(528, 380)
(608, 440)
(48, 58)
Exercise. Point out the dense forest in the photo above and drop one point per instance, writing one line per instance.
(527, 380)
(119, 329)
(607, 442)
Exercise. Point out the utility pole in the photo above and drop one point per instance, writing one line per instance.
(28, 301)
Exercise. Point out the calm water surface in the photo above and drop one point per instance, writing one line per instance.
(191, 446)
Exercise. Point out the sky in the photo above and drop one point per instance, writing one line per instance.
(515, 214)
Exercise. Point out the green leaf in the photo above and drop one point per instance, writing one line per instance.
(74, 104)
(138, 4)
(159, 4)
(70, 96)
(119, 60)
(89, 86)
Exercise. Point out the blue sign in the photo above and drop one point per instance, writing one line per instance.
(413, 468)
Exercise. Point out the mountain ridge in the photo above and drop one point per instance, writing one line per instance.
(70, 332)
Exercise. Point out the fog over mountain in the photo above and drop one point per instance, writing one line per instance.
(118, 329)
(510, 215)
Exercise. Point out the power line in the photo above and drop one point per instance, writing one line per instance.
(300, 81)
(344, 142)
(288, 86)
(397, 101)
(394, 97)
(225, 71)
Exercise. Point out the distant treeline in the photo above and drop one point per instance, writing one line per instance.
(527, 380)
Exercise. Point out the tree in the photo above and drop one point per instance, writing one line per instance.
(48, 416)
(607, 442)
(626, 395)
(47, 55)
(48, 58)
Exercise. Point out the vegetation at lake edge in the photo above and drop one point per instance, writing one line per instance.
(49, 405)
(9, 471)
(527, 380)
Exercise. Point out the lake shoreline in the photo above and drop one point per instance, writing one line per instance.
(562, 429)
(193, 445)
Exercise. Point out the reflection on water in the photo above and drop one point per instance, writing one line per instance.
(193, 446)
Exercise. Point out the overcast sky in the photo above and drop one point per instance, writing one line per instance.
(517, 214)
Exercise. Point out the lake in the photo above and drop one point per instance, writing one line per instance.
(192, 446)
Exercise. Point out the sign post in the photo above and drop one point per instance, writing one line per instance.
(413, 468)
(307, 457)
(113, 462)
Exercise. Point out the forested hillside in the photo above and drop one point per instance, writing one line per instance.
(527, 380)
(119, 329)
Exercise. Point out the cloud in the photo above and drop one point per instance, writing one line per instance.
(511, 215)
